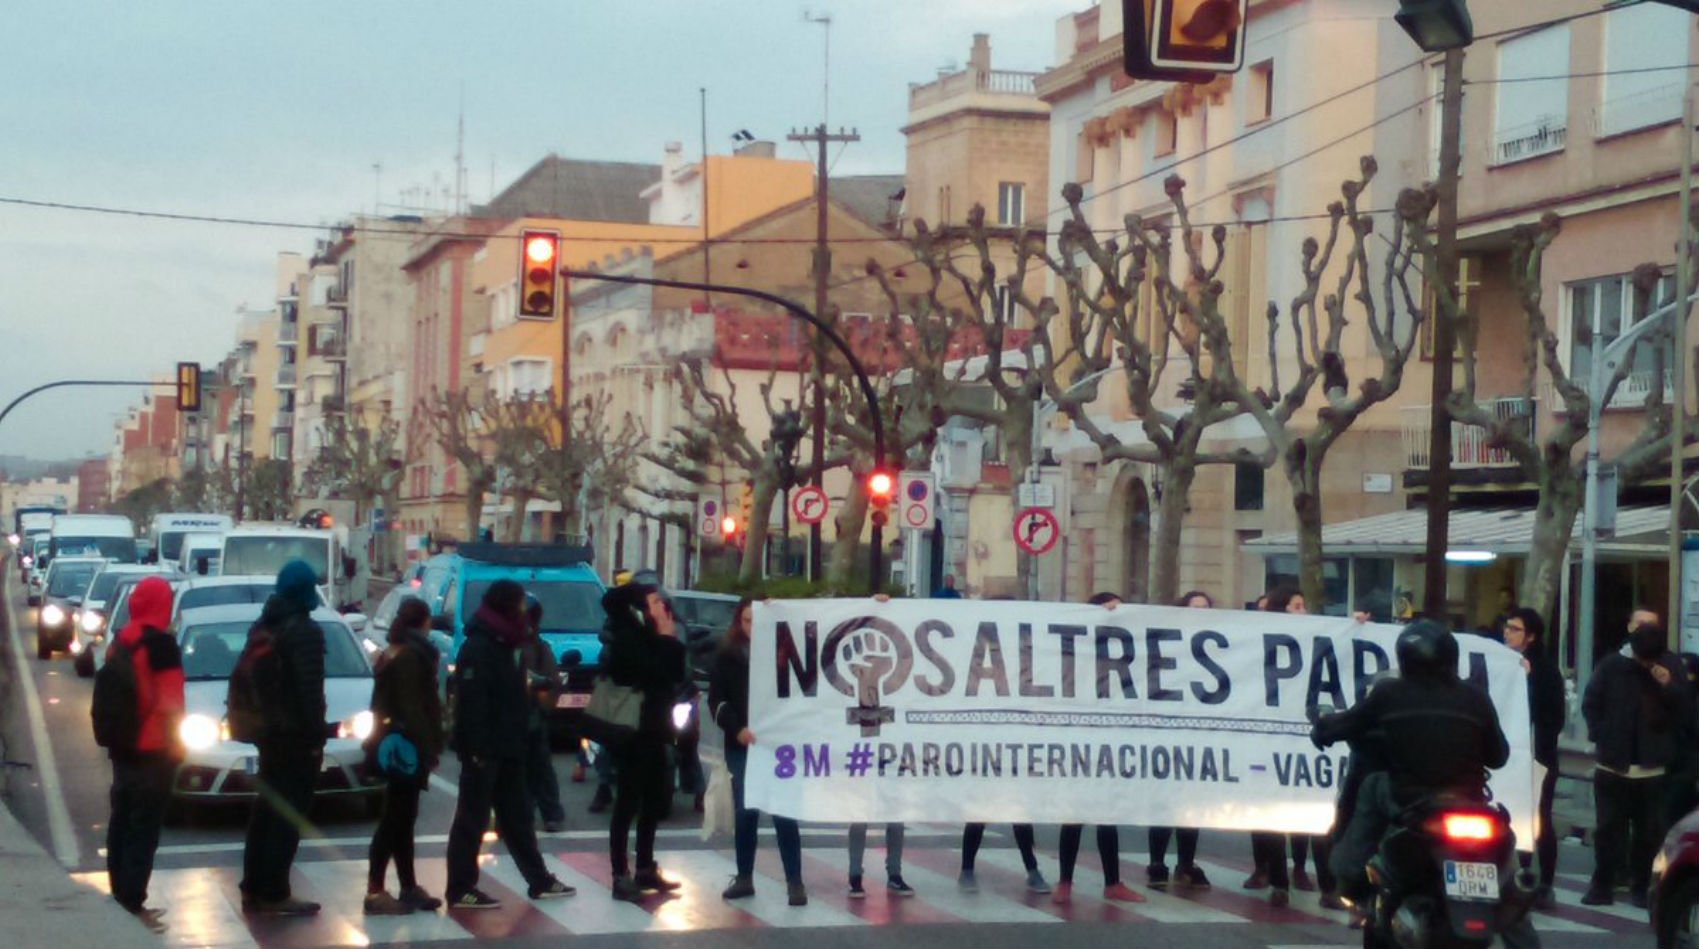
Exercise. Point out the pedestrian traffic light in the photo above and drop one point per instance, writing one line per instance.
(188, 387)
(539, 274)
(881, 488)
(1183, 40)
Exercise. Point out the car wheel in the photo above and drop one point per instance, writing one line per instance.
(84, 664)
(1678, 925)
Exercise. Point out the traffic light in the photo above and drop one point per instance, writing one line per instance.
(539, 274)
(1183, 40)
(881, 488)
(728, 529)
(188, 387)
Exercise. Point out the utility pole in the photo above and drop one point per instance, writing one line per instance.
(822, 276)
(1445, 241)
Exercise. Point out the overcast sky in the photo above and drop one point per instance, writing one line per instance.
(279, 111)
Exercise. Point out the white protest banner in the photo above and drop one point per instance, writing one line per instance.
(960, 710)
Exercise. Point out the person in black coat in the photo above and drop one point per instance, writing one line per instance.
(492, 715)
(642, 653)
(1638, 710)
(405, 703)
(1525, 632)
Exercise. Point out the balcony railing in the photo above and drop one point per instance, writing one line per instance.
(1633, 392)
(286, 376)
(330, 346)
(336, 295)
(285, 419)
(288, 334)
(1005, 82)
(1469, 448)
(1542, 136)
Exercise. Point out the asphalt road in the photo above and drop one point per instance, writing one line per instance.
(61, 798)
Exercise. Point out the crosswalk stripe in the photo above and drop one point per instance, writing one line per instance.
(592, 912)
(335, 883)
(769, 904)
(998, 884)
(1569, 894)
(1162, 907)
(517, 915)
(827, 882)
(935, 889)
(689, 908)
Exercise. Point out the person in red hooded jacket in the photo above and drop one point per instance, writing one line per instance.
(141, 779)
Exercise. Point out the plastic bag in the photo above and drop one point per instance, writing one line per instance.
(718, 807)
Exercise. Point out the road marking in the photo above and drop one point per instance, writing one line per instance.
(59, 830)
(235, 846)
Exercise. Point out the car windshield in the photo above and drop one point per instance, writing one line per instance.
(223, 594)
(171, 544)
(714, 614)
(567, 604)
(101, 589)
(210, 651)
(266, 555)
(120, 549)
(70, 579)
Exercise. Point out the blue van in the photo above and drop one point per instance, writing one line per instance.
(559, 576)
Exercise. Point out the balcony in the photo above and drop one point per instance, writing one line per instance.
(283, 420)
(1542, 136)
(968, 82)
(288, 334)
(336, 296)
(286, 376)
(333, 405)
(1469, 448)
(1633, 392)
(330, 346)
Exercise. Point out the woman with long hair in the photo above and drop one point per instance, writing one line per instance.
(405, 703)
(728, 703)
(1187, 874)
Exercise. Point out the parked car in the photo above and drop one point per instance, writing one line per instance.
(196, 592)
(89, 621)
(37, 570)
(219, 768)
(66, 580)
(705, 618)
(1675, 886)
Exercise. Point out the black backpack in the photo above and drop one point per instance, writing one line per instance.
(116, 709)
(255, 692)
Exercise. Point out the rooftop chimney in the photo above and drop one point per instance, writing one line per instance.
(980, 59)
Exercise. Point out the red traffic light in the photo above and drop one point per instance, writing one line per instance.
(539, 272)
(881, 486)
(728, 526)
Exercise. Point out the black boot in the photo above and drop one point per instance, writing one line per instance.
(603, 800)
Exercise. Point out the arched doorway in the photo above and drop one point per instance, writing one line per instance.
(1129, 532)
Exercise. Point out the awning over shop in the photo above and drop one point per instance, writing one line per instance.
(1507, 531)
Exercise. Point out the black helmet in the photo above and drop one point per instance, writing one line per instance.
(1427, 650)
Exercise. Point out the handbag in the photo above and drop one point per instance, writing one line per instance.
(719, 813)
(612, 716)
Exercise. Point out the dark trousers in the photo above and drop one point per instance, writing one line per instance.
(286, 781)
(748, 826)
(1108, 851)
(974, 834)
(540, 777)
(1268, 853)
(1545, 837)
(141, 788)
(1629, 812)
(1373, 812)
(393, 839)
(641, 793)
(1187, 851)
(487, 783)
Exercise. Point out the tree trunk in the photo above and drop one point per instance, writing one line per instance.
(841, 565)
(1548, 557)
(1177, 478)
(766, 486)
(1303, 472)
(1017, 449)
(475, 488)
(516, 523)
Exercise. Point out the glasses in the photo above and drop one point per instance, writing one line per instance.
(1515, 628)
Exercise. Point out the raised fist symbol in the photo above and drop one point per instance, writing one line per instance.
(871, 656)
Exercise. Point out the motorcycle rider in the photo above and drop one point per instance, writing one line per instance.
(1429, 730)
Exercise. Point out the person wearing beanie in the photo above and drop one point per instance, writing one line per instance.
(491, 730)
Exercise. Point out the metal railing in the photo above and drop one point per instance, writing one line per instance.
(995, 81)
(285, 418)
(1469, 448)
(286, 375)
(1544, 135)
(288, 333)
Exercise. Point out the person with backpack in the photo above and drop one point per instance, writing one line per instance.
(281, 673)
(492, 737)
(408, 717)
(138, 703)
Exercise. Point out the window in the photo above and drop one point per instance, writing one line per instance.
(1248, 486)
(1607, 306)
(1005, 306)
(1644, 38)
(1167, 132)
(526, 377)
(1468, 281)
(944, 205)
(1011, 203)
(1531, 118)
(1259, 102)
(1085, 156)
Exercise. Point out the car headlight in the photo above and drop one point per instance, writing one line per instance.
(91, 622)
(53, 614)
(28, 561)
(681, 714)
(198, 732)
(76, 646)
(1660, 863)
(15, 539)
(358, 726)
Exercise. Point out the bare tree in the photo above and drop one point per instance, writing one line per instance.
(270, 491)
(358, 460)
(479, 433)
(584, 460)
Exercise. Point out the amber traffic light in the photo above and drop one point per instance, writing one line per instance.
(188, 387)
(539, 274)
(1183, 40)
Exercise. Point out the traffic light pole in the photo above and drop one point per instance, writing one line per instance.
(1434, 599)
(72, 382)
(830, 335)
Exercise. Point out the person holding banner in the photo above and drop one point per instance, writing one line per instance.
(728, 703)
(1525, 631)
(1186, 872)
(643, 653)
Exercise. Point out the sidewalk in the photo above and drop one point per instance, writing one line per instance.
(38, 897)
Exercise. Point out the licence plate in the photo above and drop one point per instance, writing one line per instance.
(251, 764)
(1471, 881)
(573, 700)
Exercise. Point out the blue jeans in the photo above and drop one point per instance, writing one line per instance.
(749, 826)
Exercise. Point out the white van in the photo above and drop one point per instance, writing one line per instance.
(263, 549)
(168, 531)
(104, 535)
(208, 547)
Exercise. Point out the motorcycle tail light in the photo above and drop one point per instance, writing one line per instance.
(1473, 827)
